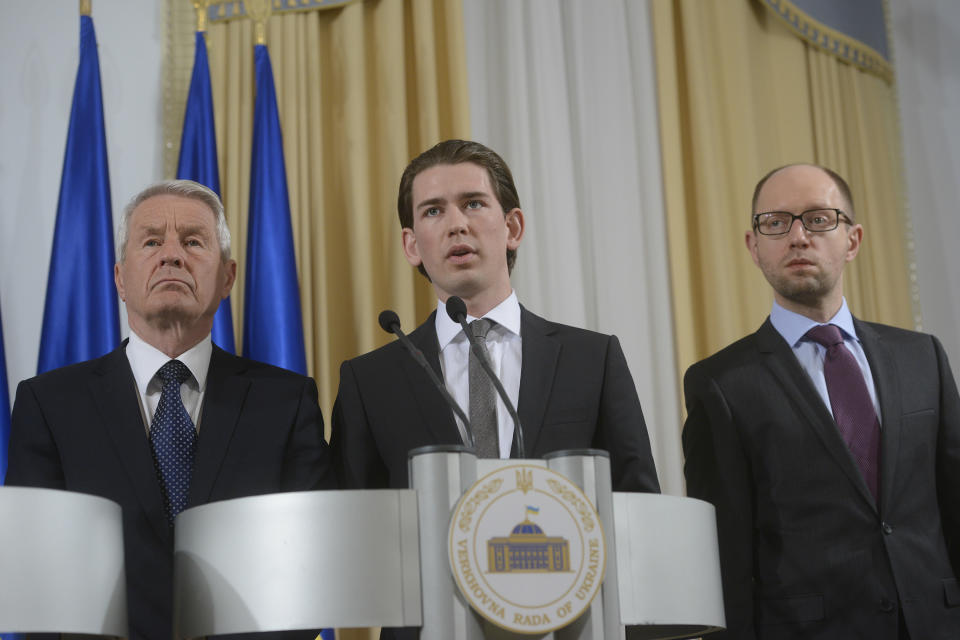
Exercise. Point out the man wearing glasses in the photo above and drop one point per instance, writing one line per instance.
(829, 446)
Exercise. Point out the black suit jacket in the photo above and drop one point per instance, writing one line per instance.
(575, 392)
(80, 428)
(805, 551)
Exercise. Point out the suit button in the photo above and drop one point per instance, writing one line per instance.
(886, 605)
(887, 529)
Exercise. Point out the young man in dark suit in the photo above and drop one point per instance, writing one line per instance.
(830, 446)
(168, 420)
(461, 225)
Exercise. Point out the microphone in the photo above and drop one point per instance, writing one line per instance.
(390, 322)
(457, 310)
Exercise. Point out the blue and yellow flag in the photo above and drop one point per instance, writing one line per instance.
(272, 325)
(80, 318)
(198, 161)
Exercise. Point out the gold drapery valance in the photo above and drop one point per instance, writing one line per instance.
(832, 40)
(222, 10)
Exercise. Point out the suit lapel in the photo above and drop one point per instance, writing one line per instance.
(883, 368)
(115, 393)
(222, 401)
(540, 353)
(800, 392)
(437, 417)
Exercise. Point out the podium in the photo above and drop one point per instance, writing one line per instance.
(61, 563)
(368, 558)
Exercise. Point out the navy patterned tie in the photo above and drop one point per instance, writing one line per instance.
(173, 439)
(851, 404)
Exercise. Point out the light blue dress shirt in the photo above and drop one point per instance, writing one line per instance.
(792, 326)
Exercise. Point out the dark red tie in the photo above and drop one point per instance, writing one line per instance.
(850, 400)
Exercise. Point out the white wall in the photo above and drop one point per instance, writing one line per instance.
(926, 49)
(37, 73)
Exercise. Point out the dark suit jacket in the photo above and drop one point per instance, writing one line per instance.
(805, 551)
(575, 392)
(80, 428)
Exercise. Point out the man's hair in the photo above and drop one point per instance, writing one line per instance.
(842, 185)
(184, 189)
(458, 152)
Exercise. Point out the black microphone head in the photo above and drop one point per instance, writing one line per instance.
(389, 320)
(456, 309)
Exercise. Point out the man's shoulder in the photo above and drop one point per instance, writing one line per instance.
(911, 348)
(225, 362)
(735, 356)
(71, 374)
(890, 332)
(393, 351)
(388, 352)
(532, 322)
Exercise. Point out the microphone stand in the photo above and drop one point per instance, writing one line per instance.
(457, 310)
(390, 322)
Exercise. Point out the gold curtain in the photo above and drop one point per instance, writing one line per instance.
(361, 89)
(739, 94)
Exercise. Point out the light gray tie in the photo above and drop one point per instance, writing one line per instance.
(483, 397)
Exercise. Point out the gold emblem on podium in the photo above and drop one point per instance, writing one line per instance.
(544, 573)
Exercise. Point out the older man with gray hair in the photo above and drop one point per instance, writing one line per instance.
(168, 420)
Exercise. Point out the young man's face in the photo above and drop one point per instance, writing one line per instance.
(461, 233)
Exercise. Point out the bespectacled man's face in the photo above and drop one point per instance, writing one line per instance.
(172, 273)
(804, 268)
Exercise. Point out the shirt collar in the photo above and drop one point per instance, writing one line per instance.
(146, 360)
(793, 326)
(506, 314)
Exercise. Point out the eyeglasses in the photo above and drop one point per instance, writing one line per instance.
(778, 223)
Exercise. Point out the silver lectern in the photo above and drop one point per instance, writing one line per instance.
(61, 563)
(383, 557)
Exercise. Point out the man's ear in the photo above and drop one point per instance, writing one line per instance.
(118, 280)
(854, 239)
(231, 270)
(410, 249)
(515, 228)
(750, 239)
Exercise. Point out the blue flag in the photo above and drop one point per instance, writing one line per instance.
(80, 318)
(4, 410)
(198, 162)
(272, 325)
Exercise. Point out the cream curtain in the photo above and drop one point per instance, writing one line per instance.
(361, 89)
(928, 85)
(739, 94)
(565, 91)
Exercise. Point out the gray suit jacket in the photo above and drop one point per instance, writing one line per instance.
(805, 551)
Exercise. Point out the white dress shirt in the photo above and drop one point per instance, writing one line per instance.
(146, 360)
(792, 326)
(504, 346)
